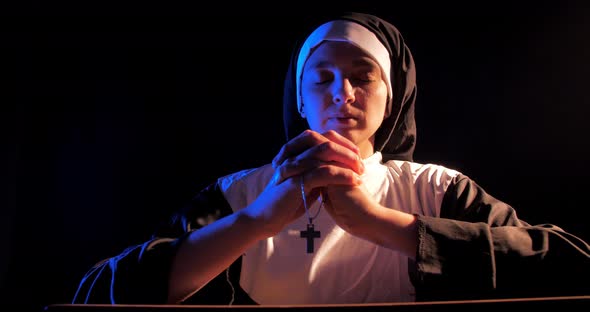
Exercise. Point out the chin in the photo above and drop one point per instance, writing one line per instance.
(349, 134)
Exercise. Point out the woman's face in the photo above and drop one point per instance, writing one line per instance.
(342, 89)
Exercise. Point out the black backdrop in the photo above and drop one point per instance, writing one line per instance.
(117, 114)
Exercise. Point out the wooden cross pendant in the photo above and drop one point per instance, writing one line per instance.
(310, 234)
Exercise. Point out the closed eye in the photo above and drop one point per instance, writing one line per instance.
(321, 82)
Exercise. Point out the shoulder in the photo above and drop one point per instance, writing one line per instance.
(423, 171)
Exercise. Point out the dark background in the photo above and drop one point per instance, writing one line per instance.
(117, 114)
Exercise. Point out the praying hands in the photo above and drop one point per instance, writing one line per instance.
(330, 164)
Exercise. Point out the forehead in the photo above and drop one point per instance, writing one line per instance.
(339, 54)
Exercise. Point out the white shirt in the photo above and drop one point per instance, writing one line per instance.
(343, 268)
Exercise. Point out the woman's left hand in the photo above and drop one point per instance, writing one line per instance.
(351, 207)
(355, 210)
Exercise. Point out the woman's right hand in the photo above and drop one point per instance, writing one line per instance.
(317, 160)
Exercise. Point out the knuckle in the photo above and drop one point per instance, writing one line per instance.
(296, 163)
(309, 134)
(281, 172)
(289, 164)
(330, 171)
(331, 133)
(326, 146)
(283, 148)
(316, 138)
(281, 154)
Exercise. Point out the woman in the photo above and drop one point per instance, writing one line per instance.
(343, 214)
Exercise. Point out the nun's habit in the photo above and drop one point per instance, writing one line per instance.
(471, 245)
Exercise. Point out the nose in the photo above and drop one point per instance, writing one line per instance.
(343, 92)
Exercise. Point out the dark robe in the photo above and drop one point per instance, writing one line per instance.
(477, 248)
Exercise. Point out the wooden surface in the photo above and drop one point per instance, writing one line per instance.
(574, 303)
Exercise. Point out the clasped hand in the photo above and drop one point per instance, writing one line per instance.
(328, 163)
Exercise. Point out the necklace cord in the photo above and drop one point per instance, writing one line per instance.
(305, 201)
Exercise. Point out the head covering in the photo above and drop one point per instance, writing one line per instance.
(396, 138)
(347, 31)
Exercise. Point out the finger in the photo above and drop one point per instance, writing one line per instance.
(294, 167)
(327, 154)
(308, 139)
(338, 138)
(329, 175)
(331, 152)
(297, 145)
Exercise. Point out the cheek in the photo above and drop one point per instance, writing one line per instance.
(376, 101)
(313, 100)
(381, 99)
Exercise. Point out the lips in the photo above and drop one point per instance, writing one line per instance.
(343, 116)
(343, 119)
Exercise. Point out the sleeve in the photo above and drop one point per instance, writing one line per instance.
(479, 248)
(139, 274)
